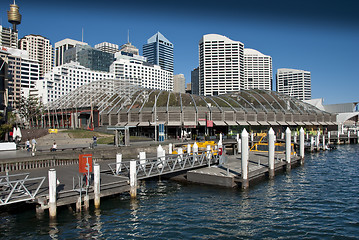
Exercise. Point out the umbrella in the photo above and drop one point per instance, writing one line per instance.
(18, 133)
(14, 133)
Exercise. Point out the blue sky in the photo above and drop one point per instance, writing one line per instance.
(318, 36)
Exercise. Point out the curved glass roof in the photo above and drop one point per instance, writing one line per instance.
(114, 96)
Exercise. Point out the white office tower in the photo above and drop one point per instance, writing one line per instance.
(221, 65)
(107, 47)
(24, 73)
(295, 83)
(66, 78)
(8, 37)
(136, 70)
(179, 83)
(257, 70)
(40, 49)
(61, 47)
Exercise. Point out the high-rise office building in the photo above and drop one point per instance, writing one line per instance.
(107, 47)
(23, 74)
(66, 78)
(195, 81)
(221, 65)
(159, 51)
(257, 70)
(40, 49)
(89, 57)
(295, 83)
(8, 37)
(179, 83)
(61, 47)
(136, 70)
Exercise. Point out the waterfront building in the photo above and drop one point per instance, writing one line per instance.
(40, 49)
(221, 65)
(179, 83)
(4, 92)
(136, 70)
(189, 88)
(107, 47)
(61, 47)
(159, 51)
(295, 83)
(66, 78)
(89, 57)
(195, 81)
(23, 73)
(257, 70)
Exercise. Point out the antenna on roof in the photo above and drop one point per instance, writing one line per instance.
(128, 35)
(82, 38)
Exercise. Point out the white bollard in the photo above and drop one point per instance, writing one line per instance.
(252, 139)
(348, 137)
(338, 136)
(328, 137)
(160, 156)
(52, 193)
(208, 152)
(323, 142)
(118, 162)
(282, 135)
(312, 144)
(142, 156)
(170, 148)
(318, 140)
(301, 144)
(271, 150)
(288, 134)
(133, 179)
(189, 149)
(239, 145)
(307, 136)
(245, 157)
(96, 185)
(195, 151)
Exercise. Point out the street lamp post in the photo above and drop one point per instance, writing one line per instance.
(155, 118)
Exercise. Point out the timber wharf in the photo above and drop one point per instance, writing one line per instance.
(50, 181)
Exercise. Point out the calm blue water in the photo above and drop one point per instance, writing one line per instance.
(319, 200)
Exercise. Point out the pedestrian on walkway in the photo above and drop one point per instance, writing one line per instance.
(28, 145)
(94, 141)
(54, 147)
(33, 142)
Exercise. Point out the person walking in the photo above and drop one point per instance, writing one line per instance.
(27, 145)
(33, 142)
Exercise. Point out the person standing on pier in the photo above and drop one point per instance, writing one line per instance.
(54, 147)
(94, 141)
(33, 142)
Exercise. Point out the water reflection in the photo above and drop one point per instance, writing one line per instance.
(53, 230)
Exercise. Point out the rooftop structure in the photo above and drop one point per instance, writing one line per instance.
(14, 16)
(129, 48)
(107, 47)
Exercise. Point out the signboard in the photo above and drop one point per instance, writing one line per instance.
(209, 123)
(85, 163)
(161, 132)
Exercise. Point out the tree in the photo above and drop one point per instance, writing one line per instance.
(29, 109)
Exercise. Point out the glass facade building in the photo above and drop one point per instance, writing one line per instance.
(159, 51)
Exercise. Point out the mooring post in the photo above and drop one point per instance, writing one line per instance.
(288, 150)
(348, 136)
(180, 154)
(295, 137)
(271, 149)
(170, 148)
(307, 136)
(318, 140)
(52, 193)
(195, 151)
(357, 136)
(160, 156)
(323, 142)
(86, 202)
(311, 144)
(245, 156)
(301, 145)
(252, 139)
(118, 162)
(328, 137)
(338, 136)
(239, 145)
(142, 156)
(96, 184)
(133, 179)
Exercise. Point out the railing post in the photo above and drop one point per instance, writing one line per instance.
(195, 151)
(288, 147)
(97, 180)
(245, 156)
(271, 149)
(118, 162)
(133, 179)
(52, 193)
(301, 145)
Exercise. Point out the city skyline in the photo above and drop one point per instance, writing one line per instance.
(322, 42)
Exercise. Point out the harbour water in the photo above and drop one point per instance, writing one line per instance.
(319, 200)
